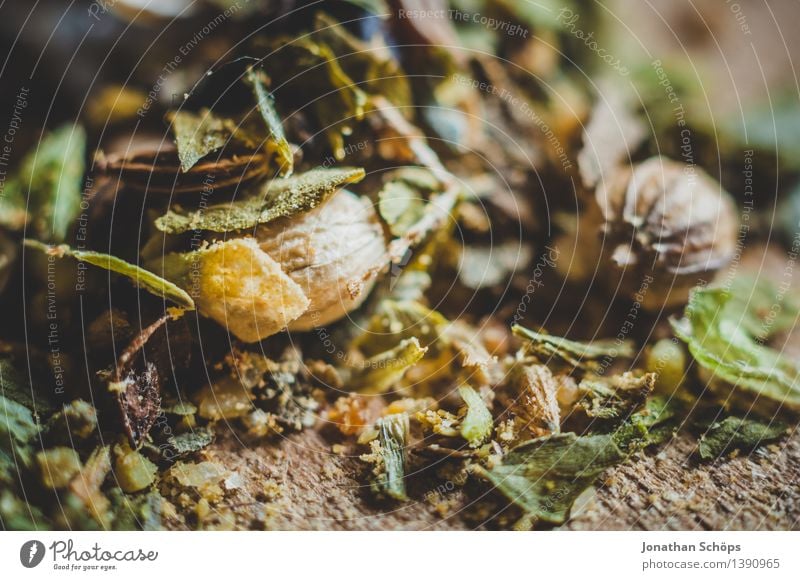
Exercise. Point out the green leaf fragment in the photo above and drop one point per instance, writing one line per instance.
(610, 398)
(140, 277)
(383, 371)
(477, 424)
(740, 368)
(199, 134)
(579, 355)
(401, 206)
(396, 320)
(283, 197)
(392, 437)
(277, 142)
(737, 433)
(545, 476)
(58, 466)
(190, 442)
(47, 187)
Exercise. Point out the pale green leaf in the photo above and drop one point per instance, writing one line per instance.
(476, 426)
(139, 276)
(282, 197)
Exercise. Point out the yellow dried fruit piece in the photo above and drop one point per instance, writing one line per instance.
(134, 472)
(226, 399)
(240, 287)
(58, 466)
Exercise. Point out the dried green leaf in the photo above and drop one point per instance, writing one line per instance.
(391, 469)
(579, 355)
(396, 320)
(383, 371)
(764, 308)
(615, 397)
(737, 433)
(139, 276)
(132, 470)
(190, 442)
(738, 366)
(276, 142)
(75, 421)
(401, 206)
(57, 466)
(85, 486)
(17, 428)
(199, 134)
(47, 186)
(136, 512)
(339, 101)
(477, 424)
(283, 197)
(544, 476)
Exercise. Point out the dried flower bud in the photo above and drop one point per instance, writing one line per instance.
(667, 226)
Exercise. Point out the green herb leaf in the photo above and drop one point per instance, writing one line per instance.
(139, 276)
(277, 142)
(738, 367)
(612, 398)
(199, 134)
(544, 476)
(382, 371)
(50, 181)
(401, 206)
(737, 433)
(477, 424)
(392, 437)
(579, 355)
(396, 320)
(278, 198)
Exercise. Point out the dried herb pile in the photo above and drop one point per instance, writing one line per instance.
(347, 226)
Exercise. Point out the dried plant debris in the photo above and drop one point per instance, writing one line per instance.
(615, 397)
(532, 399)
(136, 385)
(349, 237)
(157, 170)
(199, 134)
(239, 286)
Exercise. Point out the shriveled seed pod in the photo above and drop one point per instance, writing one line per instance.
(667, 226)
(298, 272)
(334, 253)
